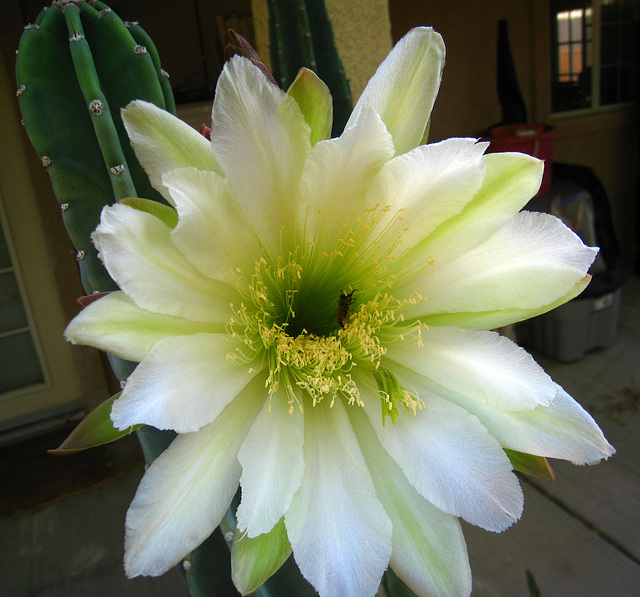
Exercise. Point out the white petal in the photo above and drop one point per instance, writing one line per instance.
(429, 551)
(186, 491)
(212, 232)
(340, 534)
(405, 86)
(531, 261)
(163, 142)
(272, 466)
(183, 384)
(561, 430)
(261, 140)
(336, 177)
(483, 366)
(510, 181)
(452, 461)
(114, 324)
(137, 250)
(428, 185)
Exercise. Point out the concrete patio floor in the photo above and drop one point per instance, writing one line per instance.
(579, 535)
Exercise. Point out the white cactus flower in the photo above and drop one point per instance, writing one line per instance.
(312, 321)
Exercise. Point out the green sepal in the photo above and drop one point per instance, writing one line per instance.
(253, 561)
(314, 100)
(96, 429)
(536, 466)
(163, 212)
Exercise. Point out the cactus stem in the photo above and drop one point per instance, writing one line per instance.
(46, 161)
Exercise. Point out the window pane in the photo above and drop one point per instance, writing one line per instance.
(19, 363)
(12, 313)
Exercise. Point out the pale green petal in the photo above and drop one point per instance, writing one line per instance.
(427, 186)
(483, 366)
(188, 488)
(137, 250)
(261, 140)
(428, 548)
(470, 477)
(336, 177)
(213, 232)
(164, 213)
(253, 561)
(405, 86)
(183, 384)
(272, 466)
(340, 534)
(115, 324)
(490, 320)
(528, 263)
(510, 181)
(163, 142)
(315, 102)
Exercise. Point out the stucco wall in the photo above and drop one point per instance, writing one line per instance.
(362, 31)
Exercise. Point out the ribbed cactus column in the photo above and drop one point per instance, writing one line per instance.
(300, 35)
(77, 65)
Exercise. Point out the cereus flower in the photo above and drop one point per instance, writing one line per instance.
(311, 318)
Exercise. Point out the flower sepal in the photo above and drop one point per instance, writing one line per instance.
(96, 429)
(314, 100)
(535, 466)
(255, 560)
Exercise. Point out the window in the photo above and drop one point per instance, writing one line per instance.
(593, 53)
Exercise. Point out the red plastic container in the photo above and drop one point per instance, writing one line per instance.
(532, 139)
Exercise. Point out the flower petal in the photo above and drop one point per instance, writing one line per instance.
(428, 185)
(212, 232)
(529, 262)
(188, 488)
(183, 384)
(340, 534)
(336, 173)
(561, 430)
(405, 86)
(452, 461)
(483, 366)
(163, 142)
(137, 250)
(511, 180)
(115, 324)
(495, 318)
(429, 552)
(272, 466)
(261, 140)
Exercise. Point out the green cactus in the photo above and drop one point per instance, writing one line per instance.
(300, 35)
(76, 67)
